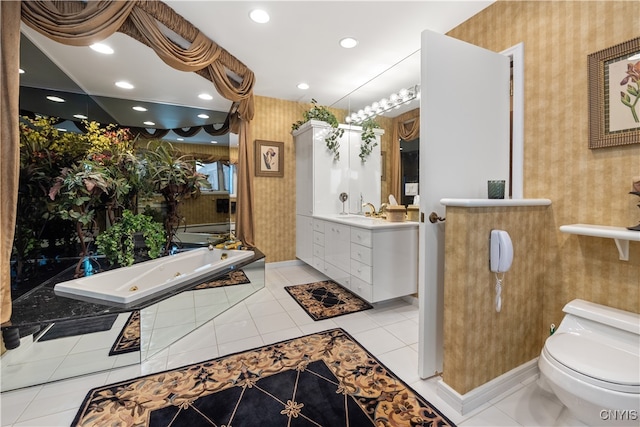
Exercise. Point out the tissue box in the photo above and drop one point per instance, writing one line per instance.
(396, 213)
(413, 212)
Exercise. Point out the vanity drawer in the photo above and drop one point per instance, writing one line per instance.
(318, 238)
(336, 274)
(318, 251)
(318, 225)
(361, 271)
(361, 236)
(361, 253)
(318, 263)
(361, 288)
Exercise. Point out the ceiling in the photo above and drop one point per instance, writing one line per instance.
(300, 43)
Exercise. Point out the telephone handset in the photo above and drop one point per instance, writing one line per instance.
(500, 258)
(501, 251)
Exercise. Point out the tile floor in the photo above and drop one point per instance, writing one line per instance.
(389, 331)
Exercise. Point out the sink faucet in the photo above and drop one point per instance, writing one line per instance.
(373, 209)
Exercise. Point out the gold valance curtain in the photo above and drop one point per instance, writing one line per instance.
(405, 127)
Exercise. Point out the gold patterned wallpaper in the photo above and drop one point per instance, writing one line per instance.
(585, 186)
(479, 343)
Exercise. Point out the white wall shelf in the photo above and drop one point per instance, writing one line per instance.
(620, 235)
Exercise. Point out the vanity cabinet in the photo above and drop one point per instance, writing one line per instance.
(377, 263)
(320, 179)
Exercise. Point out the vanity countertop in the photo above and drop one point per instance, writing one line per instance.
(366, 222)
(42, 305)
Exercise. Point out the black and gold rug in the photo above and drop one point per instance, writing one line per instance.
(322, 379)
(326, 299)
(129, 338)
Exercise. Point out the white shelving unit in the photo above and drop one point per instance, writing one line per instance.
(620, 235)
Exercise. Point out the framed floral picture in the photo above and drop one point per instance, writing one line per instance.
(269, 158)
(614, 95)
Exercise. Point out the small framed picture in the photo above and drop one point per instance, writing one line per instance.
(269, 158)
(614, 95)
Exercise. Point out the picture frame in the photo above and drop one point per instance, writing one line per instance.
(614, 93)
(269, 158)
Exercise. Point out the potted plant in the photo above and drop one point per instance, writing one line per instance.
(118, 243)
(368, 138)
(323, 114)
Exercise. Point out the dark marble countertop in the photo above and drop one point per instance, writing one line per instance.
(41, 305)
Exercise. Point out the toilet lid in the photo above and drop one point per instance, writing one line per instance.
(595, 360)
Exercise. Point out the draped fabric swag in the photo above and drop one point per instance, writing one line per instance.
(9, 143)
(83, 23)
(406, 127)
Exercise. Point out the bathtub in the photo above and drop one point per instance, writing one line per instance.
(127, 285)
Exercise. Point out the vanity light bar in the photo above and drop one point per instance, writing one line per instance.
(403, 96)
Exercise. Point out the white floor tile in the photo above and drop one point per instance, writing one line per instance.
(405, 330)
(235, 331)
(531, 406)
(274, 322)
(378, 341)
(264, 308)
(240, 345)
(403, 362)
(490, 417)
(356, 322)
(15, 402)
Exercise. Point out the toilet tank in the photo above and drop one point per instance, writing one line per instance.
(603, 316)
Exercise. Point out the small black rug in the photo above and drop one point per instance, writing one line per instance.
(71, 328)
(326, 299)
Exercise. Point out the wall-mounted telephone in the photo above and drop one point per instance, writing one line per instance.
(500, 258)
(500, 252)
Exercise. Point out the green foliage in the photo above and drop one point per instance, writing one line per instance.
(117, 243)
(368, 136)
(323, 114)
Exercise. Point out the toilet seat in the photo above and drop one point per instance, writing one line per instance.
(601, 365)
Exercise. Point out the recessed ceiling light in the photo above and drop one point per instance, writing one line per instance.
(124, 85)
(149, 123)
(62, 129)
(259, 16)
(21, 71)
(303, 86)
(180, 139)
(55, 98)
(80, 116)
(205, 96)
(348, 42)
(214, 142)
(102, 48)
(139, 108)
(203, 116)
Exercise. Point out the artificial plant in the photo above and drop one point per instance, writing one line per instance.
(322, 113)
(118, 242)
(368, 138)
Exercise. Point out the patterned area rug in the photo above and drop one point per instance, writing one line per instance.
(322, 379)
(326, 299)
(129, 338)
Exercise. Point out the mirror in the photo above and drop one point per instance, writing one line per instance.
(48, 351)
(403, 75)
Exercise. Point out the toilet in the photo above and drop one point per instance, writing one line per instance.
(592, 364)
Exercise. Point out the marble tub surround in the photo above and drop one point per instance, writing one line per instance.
(163, 320)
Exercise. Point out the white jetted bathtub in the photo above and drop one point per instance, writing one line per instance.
(129, 284)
